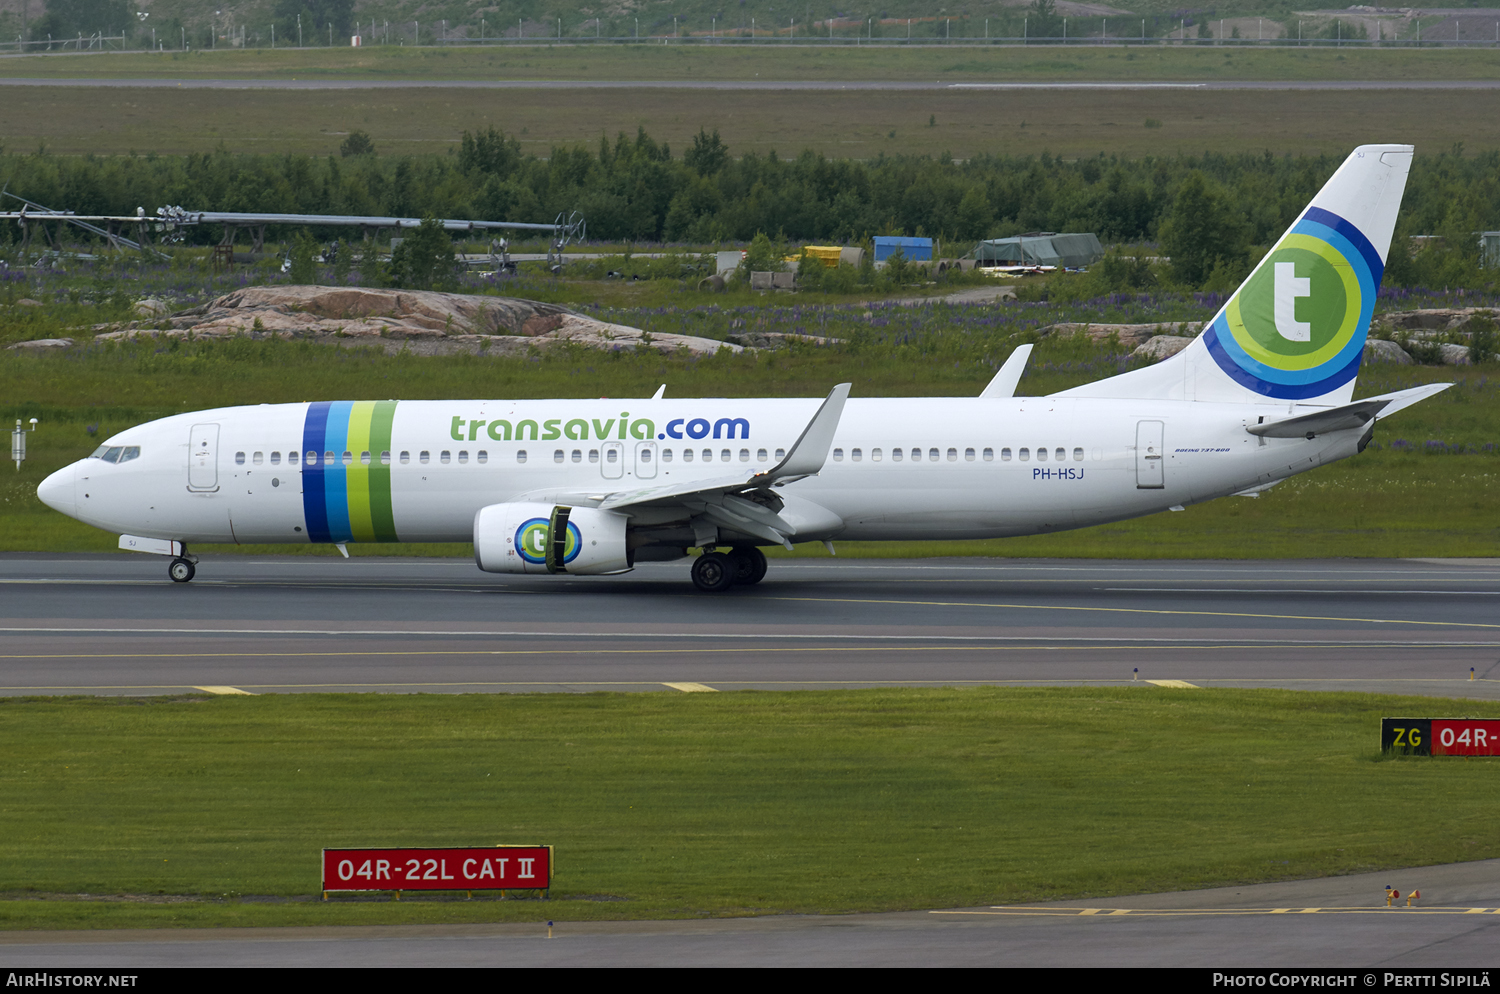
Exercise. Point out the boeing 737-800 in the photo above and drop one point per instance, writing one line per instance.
(594, 486)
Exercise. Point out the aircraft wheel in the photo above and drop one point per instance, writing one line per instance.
(181, 570)
(713, 572)
(749, 565)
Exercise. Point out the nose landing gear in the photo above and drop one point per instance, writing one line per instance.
(181, 570)
(714, 572)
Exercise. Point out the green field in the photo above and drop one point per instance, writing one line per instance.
(667, 805)
(853, 124)
(695, 61)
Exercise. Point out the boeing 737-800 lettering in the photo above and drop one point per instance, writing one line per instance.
(594, 486)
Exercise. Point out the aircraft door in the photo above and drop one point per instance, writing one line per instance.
(1149, 456)
(203, 458)
(613, 464)
(645, 460)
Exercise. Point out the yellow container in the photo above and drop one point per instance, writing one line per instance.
(828, 255)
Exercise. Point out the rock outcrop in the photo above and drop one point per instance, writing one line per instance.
(1130, 335)
(1159, 347)
(425, 322)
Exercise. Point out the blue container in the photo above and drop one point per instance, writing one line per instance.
(913, 249)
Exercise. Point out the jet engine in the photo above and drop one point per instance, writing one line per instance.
(528, 537)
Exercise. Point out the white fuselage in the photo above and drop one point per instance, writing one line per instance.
(909, 468)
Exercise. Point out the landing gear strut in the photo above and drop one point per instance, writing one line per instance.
(715, 572)
(181, 570)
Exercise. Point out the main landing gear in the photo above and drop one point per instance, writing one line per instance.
(181, 570)
(715, 572)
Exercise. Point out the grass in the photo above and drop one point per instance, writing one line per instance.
(714, 804)
(853, 124)
(696, 61)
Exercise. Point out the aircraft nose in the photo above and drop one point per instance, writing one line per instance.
(57, 490)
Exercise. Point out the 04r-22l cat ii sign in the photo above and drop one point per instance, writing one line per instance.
(595, 486)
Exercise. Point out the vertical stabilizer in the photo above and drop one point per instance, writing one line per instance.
(1295, 330)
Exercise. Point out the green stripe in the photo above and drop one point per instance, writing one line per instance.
(381, 514)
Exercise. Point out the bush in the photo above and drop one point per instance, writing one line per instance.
(424, 260)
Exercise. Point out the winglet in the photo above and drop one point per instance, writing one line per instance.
(659, 392)
(810, 452)
(1005, 381)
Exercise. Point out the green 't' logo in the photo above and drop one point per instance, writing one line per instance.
(1300, 308)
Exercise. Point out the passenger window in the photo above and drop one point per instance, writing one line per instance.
(578, 455)
(838, 455)
(445, 457)
(593, 455)
(329, 459)
(645, 455)
(856, 455)
(1025, 454)
(364, 458)
(131, 452)
(897, 455)
(687, 455)
(113, 454)
(744, 455)
(1060, 453)
(666, 455)
(291, 458)
(1078, 454)
(611, 455)
(724, 455)
(989, 455)
(385, 457)
(276, 459)
(348, 458)
(312, 458)
(463, 457)
(424, 457)
(781, 454)
(258, 458)
(874, 455)
(916, 455)
(968, 455)
(405, 456)
(558, 455)
(760, 455)
(1041, 454)
(482, 456)
(520, 455)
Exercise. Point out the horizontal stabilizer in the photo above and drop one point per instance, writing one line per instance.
(1355, 415)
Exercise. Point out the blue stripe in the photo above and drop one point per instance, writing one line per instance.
(314, 511)
(335, 480)
(1283, 391)
(1354, 235)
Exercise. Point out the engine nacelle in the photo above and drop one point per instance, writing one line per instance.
(528, 537)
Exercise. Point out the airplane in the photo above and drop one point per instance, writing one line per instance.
(583, 487)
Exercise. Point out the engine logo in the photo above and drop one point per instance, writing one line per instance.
(531, 541)
(1297, 327)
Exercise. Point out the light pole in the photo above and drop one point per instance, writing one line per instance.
(299, 30)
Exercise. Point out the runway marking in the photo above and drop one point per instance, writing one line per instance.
(1180, 684)
(1289, 590)
(692, 688)
(1211, 912)
(225, 691)
(1141, 610)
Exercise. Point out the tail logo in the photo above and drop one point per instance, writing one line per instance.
(1297, 327)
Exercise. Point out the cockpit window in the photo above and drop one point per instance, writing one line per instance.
(99, 452)
(131, 452)
(112, 454)
(117, 453)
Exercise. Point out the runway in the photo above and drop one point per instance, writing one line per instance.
(737, 85)
(1337, 922)
(114, 625)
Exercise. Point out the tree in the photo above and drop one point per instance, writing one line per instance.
(424, 260)
(1043, 20)
(357, 143)
(68, 18)
(317, 15)
(708, 154)
(304, 259)
(1201, 231)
